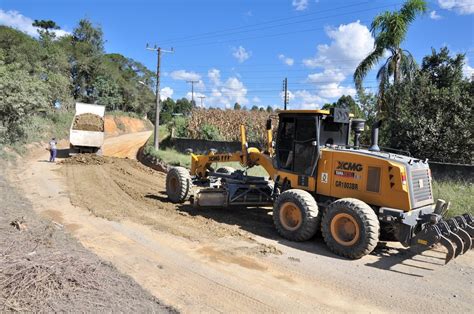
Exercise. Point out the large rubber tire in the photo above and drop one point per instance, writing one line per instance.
(178, 184)
(296, 215)
(350, 228)
(225, 170)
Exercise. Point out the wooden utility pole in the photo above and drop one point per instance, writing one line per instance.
(192, 89)
(156, 141)
(285, 90)
(201, 97)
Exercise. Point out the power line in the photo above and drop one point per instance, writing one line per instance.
(252, 28)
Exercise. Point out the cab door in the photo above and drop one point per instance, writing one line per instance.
(297, 150)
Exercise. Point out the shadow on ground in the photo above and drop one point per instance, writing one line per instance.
(259, 221)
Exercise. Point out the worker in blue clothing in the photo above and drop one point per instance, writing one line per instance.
(52, 150)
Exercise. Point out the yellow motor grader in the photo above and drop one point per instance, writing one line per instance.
(318, 180)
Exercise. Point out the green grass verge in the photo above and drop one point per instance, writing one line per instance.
(459, 193)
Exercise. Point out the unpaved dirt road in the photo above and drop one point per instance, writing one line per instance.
(228, 260)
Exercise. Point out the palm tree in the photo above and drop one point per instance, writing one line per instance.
(389, 30)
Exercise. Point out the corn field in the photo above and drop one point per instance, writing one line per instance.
(228, 123)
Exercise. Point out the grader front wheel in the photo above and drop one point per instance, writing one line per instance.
(295, 214)
(350, 228)
(178, 184)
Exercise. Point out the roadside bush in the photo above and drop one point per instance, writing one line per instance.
(179, 125)
(209, 132)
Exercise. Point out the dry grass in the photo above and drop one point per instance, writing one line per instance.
(228, 123)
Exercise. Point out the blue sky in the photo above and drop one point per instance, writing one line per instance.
(242, 50)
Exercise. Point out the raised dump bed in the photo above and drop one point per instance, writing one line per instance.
(87, 129)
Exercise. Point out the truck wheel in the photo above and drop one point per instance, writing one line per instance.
(178, 184)
(295, 215)
(225, 170)
(350, 228)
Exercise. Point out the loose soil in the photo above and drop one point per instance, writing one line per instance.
(116, 125)
(228, 260)
(44, 269)
(88, 122)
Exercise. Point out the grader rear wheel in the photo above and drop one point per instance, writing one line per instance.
(295, 214)
(350, 228)
(178, 184)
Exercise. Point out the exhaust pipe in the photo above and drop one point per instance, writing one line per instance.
(374, 145)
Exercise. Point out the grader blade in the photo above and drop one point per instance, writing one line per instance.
(453, 225)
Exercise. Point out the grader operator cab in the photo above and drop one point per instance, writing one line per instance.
(318, 180)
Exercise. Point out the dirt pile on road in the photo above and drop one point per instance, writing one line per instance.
(126, 189)
(87, 159)
(88, 122)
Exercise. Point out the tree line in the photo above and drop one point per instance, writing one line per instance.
(426, 110)
(39, 75)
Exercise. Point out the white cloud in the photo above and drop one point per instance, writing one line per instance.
(185, 75)
(327, 76)
(467, 70)
(235, 89)
(166, 92)
(256, 100)
(197, 96)
(287, 60)
(459, 6)
(304, 99)
(227, 93)
(23, 23)
(214, 76)
(300, 5)
(435, 16)
(241, 54)
(350, 44)
(334, 90)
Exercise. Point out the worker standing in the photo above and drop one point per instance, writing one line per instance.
(52, 150)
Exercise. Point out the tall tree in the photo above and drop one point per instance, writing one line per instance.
(389, 30)
(87, 47)
(44, 27)
(237, 106)
(435, 113)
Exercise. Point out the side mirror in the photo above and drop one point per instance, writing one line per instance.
(269, 124)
